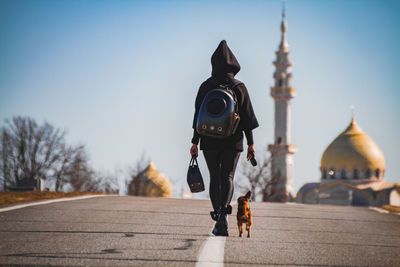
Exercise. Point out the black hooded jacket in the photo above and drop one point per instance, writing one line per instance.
(224, 68)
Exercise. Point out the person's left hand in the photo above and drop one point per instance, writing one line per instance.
(250, 149)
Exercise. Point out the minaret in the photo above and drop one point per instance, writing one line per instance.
(282, 150)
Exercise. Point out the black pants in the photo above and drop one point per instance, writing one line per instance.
(221, 165)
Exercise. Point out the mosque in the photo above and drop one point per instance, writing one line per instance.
(352, 173)
(150, 183)
(352, 166)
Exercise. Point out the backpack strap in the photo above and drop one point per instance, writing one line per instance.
(235, 83)
(230, 88)
(232, 83)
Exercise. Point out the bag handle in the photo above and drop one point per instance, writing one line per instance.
(193, 160)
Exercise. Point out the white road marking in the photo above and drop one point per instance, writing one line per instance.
(383, 211)
(212, 252)
(378, 210)
(48, 202)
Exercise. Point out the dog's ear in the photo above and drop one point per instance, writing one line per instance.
(248, 195)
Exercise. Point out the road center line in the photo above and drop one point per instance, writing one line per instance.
(382, 210)
(48, 202)
(212, 252)
(378, 210)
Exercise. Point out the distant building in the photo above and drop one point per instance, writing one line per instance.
(282, 150)
(186, 194)
(352, 173)
(150, 183)
(28, 185)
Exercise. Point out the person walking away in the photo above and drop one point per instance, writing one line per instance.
(222, 155)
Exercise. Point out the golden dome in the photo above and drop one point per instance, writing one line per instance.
(151, 183)
(353, 149)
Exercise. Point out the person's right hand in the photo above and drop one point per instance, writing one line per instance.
(250, 150)
(194, 151)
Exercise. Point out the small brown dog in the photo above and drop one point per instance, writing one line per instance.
(244, 214)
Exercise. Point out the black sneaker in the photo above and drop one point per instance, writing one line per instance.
(221, 226)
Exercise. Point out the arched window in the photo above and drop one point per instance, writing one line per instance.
(323, 173)
(343, 174)
(377, 173)
(332, 173)
(368, 173)
(279, 140)
(356, 174)
(280, 82)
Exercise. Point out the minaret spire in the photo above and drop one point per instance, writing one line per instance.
(282, 150)
(283, 43)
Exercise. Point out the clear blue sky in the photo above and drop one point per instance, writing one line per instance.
(121, 76)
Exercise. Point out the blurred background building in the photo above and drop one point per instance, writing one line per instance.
(352, 173)
(150, 183)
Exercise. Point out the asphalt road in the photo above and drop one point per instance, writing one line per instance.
(133, 231)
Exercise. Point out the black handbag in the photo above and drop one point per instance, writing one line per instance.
(194, 178)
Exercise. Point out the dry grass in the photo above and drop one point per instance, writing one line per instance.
(391, 208)
(16, 197)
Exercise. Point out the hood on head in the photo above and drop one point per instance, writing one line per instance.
(223, 61)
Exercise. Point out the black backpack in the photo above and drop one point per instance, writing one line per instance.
(219, 112)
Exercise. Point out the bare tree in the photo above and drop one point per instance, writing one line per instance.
(260, 181)
(133, 172)
(5, 163)
(109, 184)
(253, 178)
(62, 170)
(81, 177)
(28, 150)
(269, 188)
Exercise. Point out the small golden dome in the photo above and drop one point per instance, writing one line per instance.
(353, 149)
(151, 183)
